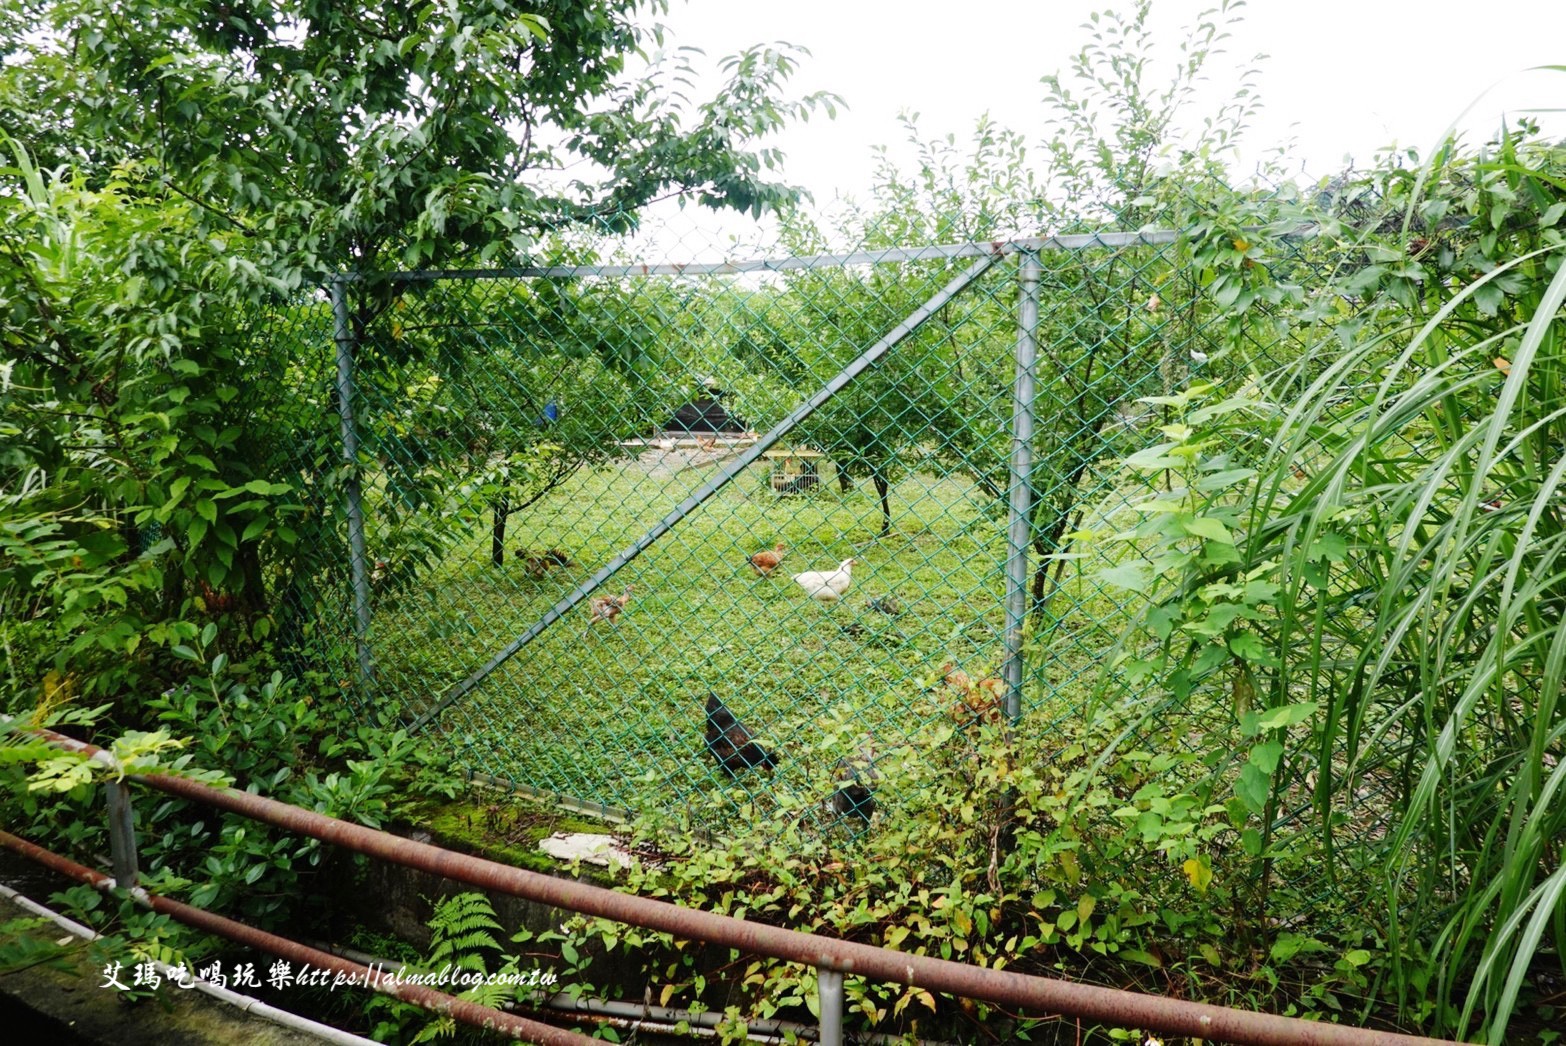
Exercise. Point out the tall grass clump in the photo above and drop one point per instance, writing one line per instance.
(1372, 542)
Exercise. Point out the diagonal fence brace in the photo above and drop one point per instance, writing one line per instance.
(839, 381)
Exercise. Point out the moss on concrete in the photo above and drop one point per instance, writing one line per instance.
(507, 828)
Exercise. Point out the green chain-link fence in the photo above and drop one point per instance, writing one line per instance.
(550, 500)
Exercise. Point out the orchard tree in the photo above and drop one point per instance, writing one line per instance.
(213, 162)
(368, 136)
(932, 386)
(1122, 151)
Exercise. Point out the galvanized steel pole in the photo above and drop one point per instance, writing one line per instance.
(358, 564)
(1020, 535)
(829, 986)
(122, 834)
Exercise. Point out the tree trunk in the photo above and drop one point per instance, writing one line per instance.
(1067, 501)
(881, 488)
(497, 548)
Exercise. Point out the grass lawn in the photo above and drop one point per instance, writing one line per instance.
(613, 713)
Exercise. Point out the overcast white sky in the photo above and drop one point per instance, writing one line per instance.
(1343, 76)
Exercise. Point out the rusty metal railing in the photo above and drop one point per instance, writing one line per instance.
(831, 957)
(510, 1024)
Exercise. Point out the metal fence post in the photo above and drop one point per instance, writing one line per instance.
(122, 834)
(829, 984)
(358, 565)
(1019, 536)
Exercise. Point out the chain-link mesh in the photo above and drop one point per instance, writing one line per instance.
(519, 432)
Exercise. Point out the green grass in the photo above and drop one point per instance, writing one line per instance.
(614, 713)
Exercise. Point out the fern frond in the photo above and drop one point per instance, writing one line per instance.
(462, 933)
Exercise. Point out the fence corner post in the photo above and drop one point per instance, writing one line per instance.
(1020, 503)
(358, 566)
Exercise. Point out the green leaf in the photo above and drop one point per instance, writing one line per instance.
(1209, 528)
(1211, 656)
(1288, 945)
(1226, 291)
(1265, 757)
(1252, 787)
(1488, 298)
(1365, 280)
(1286, 715)
(1249, 646)
(1223, 480)
(1131, 576)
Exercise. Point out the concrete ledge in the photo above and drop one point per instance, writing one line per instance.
(44, 1004)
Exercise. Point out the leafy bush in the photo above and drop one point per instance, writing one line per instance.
(1005, 852)
(1365, 545)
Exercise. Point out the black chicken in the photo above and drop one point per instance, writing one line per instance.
(854, 800)
(855, 796)
(730, 743)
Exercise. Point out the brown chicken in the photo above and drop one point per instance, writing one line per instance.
(608, 608)
(976, 702)
(538, 564)
(767, 560)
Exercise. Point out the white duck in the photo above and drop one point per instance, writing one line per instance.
(826, 586)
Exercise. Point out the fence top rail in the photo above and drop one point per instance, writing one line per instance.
(1038, 994)
(881, 256)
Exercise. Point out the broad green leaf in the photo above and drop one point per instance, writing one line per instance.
(1252, 787)
(1265, 756)
(1127, 575)
(1287, 715)
(1249, 646)
(1209, 528)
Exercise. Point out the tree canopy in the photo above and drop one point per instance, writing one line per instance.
(381, 135)
(178, 165)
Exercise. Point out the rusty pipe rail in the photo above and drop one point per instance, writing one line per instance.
(469, 1013)
(1110, 1006)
